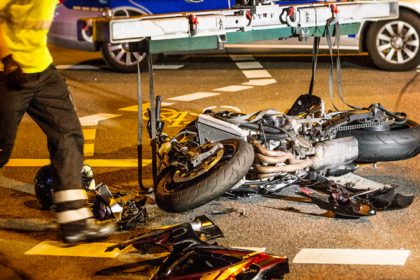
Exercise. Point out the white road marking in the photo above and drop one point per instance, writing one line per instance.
(231, 107)
(91, 162)
(167, 67)
(194, 114)
(94, 119)
(76, 67)
(418, 71)
(194, 96)
(352, 256)
(242, 57)
(88, 150)
(249, 65)
(255, 249)
(233, 88)
(256, 74)
(56, 248)
(144, 107)
(209, 108)
(261, 82)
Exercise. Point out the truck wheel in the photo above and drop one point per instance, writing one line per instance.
(176, 197)
(120, 59)
(393, 45)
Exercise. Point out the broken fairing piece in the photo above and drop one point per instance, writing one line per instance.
(127, 213)
(192, 258)
(350, 202)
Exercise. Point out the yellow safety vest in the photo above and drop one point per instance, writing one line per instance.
(25, 24)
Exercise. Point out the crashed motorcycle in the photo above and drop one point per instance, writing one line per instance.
(266, 151)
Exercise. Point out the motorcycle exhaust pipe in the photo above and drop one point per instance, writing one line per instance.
(274, 160)
(263, 150)
(301, 164)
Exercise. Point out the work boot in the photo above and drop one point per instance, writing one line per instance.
(86, 229)
(76, 221)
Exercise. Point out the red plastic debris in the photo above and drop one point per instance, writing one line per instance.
(306, 191)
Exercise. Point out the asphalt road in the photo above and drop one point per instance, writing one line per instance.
(284, 226)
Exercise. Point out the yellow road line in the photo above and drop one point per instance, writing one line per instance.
(89, 134)
(88, 150)
(56, 248)
(91, 162)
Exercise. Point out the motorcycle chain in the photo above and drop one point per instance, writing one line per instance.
(365, 125)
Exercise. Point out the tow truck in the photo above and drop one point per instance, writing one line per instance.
(247, 21)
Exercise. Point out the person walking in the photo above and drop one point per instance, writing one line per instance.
(30, 83)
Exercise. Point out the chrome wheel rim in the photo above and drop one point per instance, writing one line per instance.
(120, 53)
(397, 42)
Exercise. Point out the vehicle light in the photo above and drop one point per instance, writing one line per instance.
(107, 13)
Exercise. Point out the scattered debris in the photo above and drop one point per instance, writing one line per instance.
(244, 213)
(192, 257)
(128, 211)
(344, 200)
(223, 212)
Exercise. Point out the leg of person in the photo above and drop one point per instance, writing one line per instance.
(54, 112)
(13, 105)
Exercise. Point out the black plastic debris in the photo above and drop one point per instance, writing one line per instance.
(193, 258)
(351, 202)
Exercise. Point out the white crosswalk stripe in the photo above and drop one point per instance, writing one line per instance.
(233, 88)
(249, 65)
(257, 74)
(193, 96)
(260, 82)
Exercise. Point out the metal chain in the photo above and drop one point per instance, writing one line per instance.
(365, 125)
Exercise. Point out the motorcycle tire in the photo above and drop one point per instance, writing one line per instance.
(238, 157)
(398, 143)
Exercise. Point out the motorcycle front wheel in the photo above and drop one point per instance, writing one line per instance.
(181, 196)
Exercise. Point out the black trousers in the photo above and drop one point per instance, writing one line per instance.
(47, 100)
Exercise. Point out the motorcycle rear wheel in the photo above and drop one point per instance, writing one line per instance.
(398, 143)
(177, 197)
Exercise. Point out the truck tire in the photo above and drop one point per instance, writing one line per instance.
(398, 143)
(238, 157)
